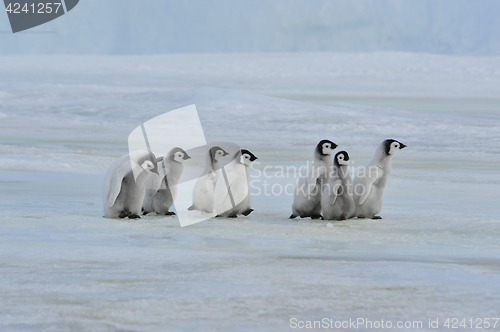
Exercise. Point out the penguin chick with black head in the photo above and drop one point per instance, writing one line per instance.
(123, 188)
(161, 189)
(307, 200)
(203, 192)
(232, 194)
(370, 180)
(337, 201)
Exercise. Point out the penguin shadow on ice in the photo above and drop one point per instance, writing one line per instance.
(161, 188)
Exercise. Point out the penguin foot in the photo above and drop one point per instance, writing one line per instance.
(292, 216)
(124, 214)
(170, 213)
(191, 208)
(376, 217)
(232, 216)
(218, 216)
(144, 212)
(316, 216)
(134, 216)
(247, 212)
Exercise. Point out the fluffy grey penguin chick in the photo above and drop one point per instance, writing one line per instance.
(161, 190)
(370, 180)
(203, 192)
(232, 195)
(307, 199)
(337, 202)
(123, 188)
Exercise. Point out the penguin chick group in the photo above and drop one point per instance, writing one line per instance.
(327, 187)
(141, 183)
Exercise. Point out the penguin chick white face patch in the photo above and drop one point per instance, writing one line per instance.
(147, 165)
(219, 154)
(327, 148)
(245, 159)
(341, 160)
(179, 157)
(395, 147)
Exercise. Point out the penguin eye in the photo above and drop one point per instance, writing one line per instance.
(341, 157)
(247, 156)
(396, 145)
(327, 146)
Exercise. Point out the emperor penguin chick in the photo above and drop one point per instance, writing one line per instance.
(337, 202)
(232, 194)
(307, 200)
(123, 188)
(203, 192)
(161, 190)
(370, 180)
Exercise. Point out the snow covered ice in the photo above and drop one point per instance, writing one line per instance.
(435, 253)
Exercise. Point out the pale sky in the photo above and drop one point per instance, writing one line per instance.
(212, 26)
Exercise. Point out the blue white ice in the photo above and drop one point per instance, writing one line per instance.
(64, 119)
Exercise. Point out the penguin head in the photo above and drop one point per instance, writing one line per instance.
(178, 155)
(216, 153)
(247, 157)
(341, 158)
(149, 167)
(325, 147)
(153, 160)
(391, 146)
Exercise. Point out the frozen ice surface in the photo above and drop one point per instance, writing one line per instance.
(63, 120)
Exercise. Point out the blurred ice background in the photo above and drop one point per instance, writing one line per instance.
(65, 118)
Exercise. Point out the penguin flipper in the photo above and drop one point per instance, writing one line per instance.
(334, 190)
(313, 175)
(163, 170)
(367, 181)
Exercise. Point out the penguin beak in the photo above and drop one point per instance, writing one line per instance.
(334, 146)
(155, 170)
(186, 157)
(225, 154)
(402, 146)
